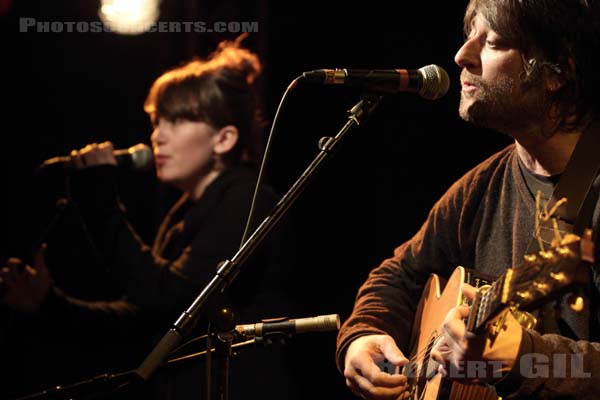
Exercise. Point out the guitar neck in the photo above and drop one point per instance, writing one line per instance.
(539, 279)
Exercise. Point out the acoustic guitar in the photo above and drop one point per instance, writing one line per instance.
(540, 278)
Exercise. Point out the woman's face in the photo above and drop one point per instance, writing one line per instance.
(183, 152)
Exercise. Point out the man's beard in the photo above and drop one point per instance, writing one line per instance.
(505, 105)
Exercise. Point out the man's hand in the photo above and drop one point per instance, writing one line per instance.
(363, 375)
(485, 357)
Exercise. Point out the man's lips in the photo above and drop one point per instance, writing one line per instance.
(468, 86)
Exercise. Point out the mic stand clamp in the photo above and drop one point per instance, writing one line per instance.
(279, 336)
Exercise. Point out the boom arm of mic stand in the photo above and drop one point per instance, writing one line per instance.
(101, 384)
(229, 269)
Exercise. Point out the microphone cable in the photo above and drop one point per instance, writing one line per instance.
(265, 157)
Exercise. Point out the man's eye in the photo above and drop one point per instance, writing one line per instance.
(496, 43)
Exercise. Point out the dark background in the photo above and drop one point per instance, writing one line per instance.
(64, 90)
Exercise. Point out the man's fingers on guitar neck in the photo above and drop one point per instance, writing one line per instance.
(468, 291)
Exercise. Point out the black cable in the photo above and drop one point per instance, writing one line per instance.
(265, 157)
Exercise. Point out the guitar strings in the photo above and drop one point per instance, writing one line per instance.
(414, 365)
(430, 345)
(412, 361)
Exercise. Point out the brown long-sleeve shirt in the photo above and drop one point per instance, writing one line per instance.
(484, 222)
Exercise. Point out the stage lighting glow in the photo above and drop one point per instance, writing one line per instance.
(129, 17)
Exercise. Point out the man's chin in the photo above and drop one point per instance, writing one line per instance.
(476, 112)
(464, 110)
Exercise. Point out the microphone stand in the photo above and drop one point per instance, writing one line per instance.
(99, 386)
(229, 269)
(62, 204)
(265, 333)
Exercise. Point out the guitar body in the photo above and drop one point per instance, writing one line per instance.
(425, 382)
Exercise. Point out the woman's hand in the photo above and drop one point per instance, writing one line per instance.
(93, 154)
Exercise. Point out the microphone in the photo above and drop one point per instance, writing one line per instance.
(138, 157)
(322, 323)
(430, 82)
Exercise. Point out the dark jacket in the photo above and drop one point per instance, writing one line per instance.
(160, 282)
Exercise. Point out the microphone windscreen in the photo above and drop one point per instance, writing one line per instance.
(435, 82)
(141, 157)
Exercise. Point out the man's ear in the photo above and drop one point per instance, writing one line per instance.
(555, 81)
(225, 139)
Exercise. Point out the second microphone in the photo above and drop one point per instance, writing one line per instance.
(138, 157)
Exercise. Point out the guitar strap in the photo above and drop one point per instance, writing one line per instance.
(575, 216)
(574, 184)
